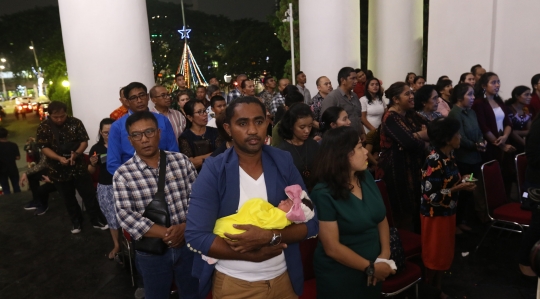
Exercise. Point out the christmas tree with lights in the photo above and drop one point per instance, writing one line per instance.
(188, 65)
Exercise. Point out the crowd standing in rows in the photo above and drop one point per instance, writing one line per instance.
(423, 140)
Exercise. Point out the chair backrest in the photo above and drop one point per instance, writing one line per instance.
(493, 185)
(384, 194)
(521, 167)
(307, 252)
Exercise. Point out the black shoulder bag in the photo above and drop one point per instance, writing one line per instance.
(158, 212)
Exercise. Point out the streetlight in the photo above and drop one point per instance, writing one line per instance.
(35, 56)
(3, 84)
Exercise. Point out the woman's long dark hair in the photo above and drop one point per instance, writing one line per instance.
(103, 122)
(189, 109)
(333, 166)
(368, 94)
(295, 112)
(516, 92)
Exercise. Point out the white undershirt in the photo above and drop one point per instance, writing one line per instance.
(250, 271)
(499, 118)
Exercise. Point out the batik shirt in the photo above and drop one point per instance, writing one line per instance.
(72, 131)
(439, 174)
(267, 99)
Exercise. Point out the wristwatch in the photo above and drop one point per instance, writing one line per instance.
(370, 270)
(276, 239)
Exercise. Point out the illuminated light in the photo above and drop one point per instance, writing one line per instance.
(65, 83)
(31, 48)
(184, 32)
(3, 59)
(29, 76)
(50, 82)
(2, 67)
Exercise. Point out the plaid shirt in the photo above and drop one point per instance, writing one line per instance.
(235, 93)
(135, 184)
(267, 97)
(277, 101)
(177, 119)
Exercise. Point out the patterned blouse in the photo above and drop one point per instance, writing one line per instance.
(430, 116)
(519, 122)
(73, 133)
(439, 174)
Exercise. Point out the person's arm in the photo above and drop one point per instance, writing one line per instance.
(365, 122)
(517, 136)
(402, 136)
(199, 160)
(384, 237)
(114, 149)
(532, 147)
(168, 133)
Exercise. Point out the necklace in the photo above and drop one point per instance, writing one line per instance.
(305, 173)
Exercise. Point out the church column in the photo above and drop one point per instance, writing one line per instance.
(329, 38)
(395, 39)
(107, 46)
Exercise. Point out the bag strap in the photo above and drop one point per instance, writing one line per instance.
(162, 169)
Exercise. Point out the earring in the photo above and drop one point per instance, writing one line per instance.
(484, 91)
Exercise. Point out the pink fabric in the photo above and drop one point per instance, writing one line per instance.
(296, 214)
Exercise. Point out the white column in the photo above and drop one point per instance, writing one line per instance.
(107, 46)
(329, 38)
(455, 46)
(395, 39)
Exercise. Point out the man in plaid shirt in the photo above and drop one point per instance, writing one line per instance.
(134, 184)
(235, 93)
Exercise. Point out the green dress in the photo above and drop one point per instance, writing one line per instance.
(357, 222)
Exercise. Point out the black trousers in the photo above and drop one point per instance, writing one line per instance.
(532, 235)
(83, 184)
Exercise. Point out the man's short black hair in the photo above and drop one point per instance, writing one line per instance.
(229, 112)
(57, 106)
(141, 115)
(344, 73)
(3, 132)
(215, 99)
(201, 86)
(298, 73)
(178, 75)
(474, 67)
(128, 88)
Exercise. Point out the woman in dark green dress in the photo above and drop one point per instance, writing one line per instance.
(353, 231)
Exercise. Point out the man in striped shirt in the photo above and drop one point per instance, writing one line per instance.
(162, 101)
(134, 185)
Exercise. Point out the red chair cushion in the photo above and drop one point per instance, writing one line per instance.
(209, 296)
(412, 243)
(310, 290)
(512, 212)
(404, 278)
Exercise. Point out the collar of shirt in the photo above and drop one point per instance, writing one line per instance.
(140, 163)
(158, 112)
(345, 95)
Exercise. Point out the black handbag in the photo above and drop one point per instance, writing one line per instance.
(397, 253)
(201, 147)
(158, 212)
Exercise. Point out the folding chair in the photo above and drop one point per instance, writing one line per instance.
(500, 210)
(521, 167)
(412, 246)
(307, 252)
(412, 243)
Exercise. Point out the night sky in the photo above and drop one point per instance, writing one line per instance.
(234, 9)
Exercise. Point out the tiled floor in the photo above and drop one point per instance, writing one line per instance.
(40, 258)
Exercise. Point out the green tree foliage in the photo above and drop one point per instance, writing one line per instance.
(282, 30)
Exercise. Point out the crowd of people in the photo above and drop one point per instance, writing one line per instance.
(222, 151)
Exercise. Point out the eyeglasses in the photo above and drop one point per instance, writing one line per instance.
(163, 95)
(106, 133)
(142, 96)
(149, 133)
(201, 112)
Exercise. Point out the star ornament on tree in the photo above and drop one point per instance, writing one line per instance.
(184, 32)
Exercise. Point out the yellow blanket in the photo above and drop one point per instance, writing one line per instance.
(255, 211)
